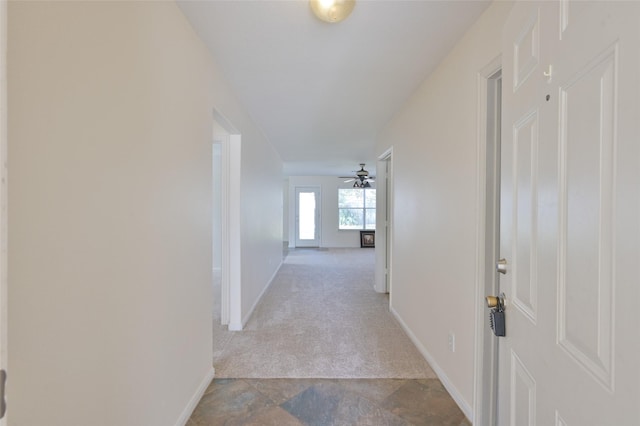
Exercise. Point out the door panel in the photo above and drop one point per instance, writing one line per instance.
(522, 180)
(599, 209)
(523, 395)
(525, 153)
(569, 214)
(526, 49)
(585, 307)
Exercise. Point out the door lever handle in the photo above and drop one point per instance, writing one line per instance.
(501, 266)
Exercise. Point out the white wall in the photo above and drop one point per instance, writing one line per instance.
(261, 211)
(285, 211)
(434, 139)
(110, 210)
(330, 235)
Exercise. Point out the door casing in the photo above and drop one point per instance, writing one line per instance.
(3, 191)
(488, 231)
(231, 301)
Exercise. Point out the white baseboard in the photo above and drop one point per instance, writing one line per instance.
(264, 290)
(195, 399)
(453, 391)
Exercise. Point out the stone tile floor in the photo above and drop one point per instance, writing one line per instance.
(320, 402)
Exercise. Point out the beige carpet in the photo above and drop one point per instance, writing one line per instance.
(320, 318)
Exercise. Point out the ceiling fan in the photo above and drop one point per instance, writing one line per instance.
(361, 179)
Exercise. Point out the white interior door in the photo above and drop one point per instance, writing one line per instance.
(570, 209)
(308, 217)
(384, 223)
(387, 225)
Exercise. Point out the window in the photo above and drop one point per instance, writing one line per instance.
(356, 208)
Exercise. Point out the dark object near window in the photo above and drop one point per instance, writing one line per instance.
(367, 238)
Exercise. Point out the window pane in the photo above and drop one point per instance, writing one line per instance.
(307, 216)
(370, 215)
(350, 197)
(355, 206)
(370, 198)
(350, 218)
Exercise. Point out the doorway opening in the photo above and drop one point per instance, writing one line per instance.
(488, 229)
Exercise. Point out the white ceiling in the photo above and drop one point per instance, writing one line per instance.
(320, 92)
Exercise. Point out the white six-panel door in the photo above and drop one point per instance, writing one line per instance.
(570, 215)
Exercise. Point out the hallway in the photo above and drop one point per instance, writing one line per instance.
(320, 318)
(322, 348)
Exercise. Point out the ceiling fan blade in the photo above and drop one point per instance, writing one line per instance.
(349, 180)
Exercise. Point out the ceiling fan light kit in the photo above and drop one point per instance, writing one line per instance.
(364, 184)
(332, 11)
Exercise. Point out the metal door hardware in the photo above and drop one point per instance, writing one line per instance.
(496, 315)
(3, 400)
(501, 266)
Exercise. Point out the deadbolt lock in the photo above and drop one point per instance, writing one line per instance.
(501, 266)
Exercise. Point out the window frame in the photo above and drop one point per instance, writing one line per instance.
(363, 208)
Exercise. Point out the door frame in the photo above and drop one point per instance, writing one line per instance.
(217, 213)
(3, 192)
(318, 230)
(230, 291)
(384, 205)
(488, 180)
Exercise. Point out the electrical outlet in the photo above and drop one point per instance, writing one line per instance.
(452, 341)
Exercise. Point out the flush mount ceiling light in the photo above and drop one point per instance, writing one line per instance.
(332, 10)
